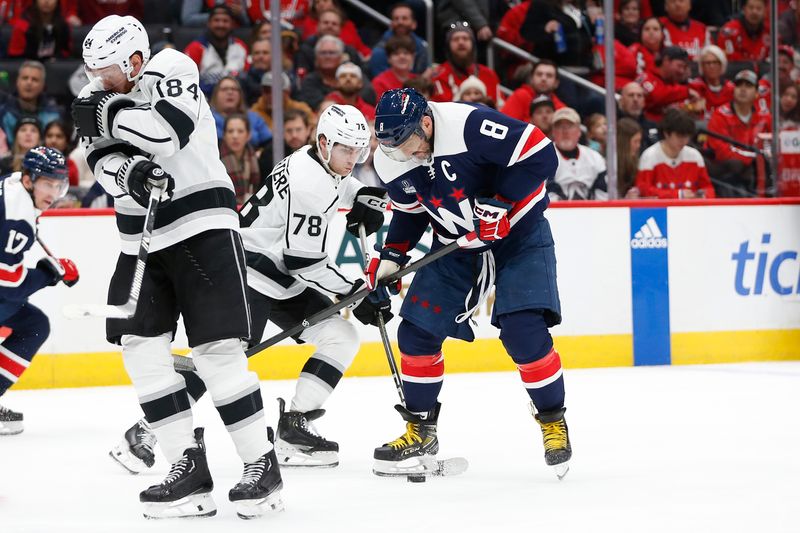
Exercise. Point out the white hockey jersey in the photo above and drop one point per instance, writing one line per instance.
(172, 125)
(285, 228)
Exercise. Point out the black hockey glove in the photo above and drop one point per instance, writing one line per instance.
(377, 302)
(138, 175)
(368, 209)
(94, 114)
(52, 268)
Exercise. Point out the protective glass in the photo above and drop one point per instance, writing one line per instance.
(49, 186)
(110, 77)
(347, 156)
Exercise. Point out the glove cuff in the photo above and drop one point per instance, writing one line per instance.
(107, 109)
(389, 253)
(124, 172)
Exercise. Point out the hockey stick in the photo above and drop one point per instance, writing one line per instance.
(128, 309)
(387, 345)
(363, 293)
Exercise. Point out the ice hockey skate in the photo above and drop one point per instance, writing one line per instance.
(557, 448)
(135, 451)
(298, 443)
(258, 492)
(413, 454)
(10, 422)
(186, 491)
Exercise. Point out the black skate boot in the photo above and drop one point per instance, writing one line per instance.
(10, 422)
(557, 448)
(186, 491)
(135, 452)
(415, 451)
(258, 492)
(299, 444)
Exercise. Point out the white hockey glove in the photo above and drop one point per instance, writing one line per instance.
(94, 114)
(384, 265)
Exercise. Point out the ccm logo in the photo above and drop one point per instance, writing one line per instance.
(377, 203)
(487, 214)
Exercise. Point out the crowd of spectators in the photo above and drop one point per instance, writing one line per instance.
(692, 81)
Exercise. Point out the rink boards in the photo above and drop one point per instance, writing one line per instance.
(643, 283)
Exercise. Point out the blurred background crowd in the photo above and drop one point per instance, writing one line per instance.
(694, 82)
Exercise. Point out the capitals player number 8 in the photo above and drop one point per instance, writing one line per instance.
(493, 129)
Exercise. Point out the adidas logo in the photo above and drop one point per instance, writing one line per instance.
(649, 236)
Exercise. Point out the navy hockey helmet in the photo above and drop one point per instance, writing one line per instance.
(398, 116)
(44, 162)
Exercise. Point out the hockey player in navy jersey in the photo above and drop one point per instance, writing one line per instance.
(476, 176)
(23, 196)
(146, 124)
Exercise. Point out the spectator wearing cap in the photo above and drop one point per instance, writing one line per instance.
(581, 173)
(462, 63)
(683, 31)
(218, 53)
(350, 81)
(542, 110)
(631, 105)
(733, 167)
(40, 33)
(195, 13)
(227, 99)
(329, 52)
(667, 86)
(348, 33)
(28, 100)
(543, 81)
(330, 23)
(746, 37)
(402, 24)
(547, 18)
(27, 134)
(710, 85)
(264, 104)
(400, 51)
(670, 168)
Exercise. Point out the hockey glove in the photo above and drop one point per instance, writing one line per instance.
(60, 270)
(94, 114)
(384, 265)
(138, 175)
(377, 302)
(368, 208)
(490, 217)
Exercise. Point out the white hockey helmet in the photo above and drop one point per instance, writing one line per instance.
(112, 41)
(346, 125)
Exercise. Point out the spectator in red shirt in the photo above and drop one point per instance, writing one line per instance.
(710, 85)
(668, 86)
(350, 81)
(349, 34)
(292, 11)
(746, 37)
(683, 31)
(462, 63)
(91, 11)
(651, 43)
(542, 81)
(400, 52)
(743, 121)
(670, 168)
(40, 33)
(218, 53)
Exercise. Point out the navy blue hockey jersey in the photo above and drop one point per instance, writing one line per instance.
(477, 153)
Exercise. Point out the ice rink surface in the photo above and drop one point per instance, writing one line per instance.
(666, 449)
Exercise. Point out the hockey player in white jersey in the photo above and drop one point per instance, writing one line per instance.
(145, 124)
(291, 277)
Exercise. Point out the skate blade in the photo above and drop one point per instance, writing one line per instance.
(122, 456)
(250, 509)
(292, 457)
(425, 466)
(192, 506)
(11, 428)
(561, 470)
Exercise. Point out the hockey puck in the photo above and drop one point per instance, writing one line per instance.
(416, 479)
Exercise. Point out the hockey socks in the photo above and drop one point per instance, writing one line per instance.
(422, 377)
(27, 330)
(544, 381)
